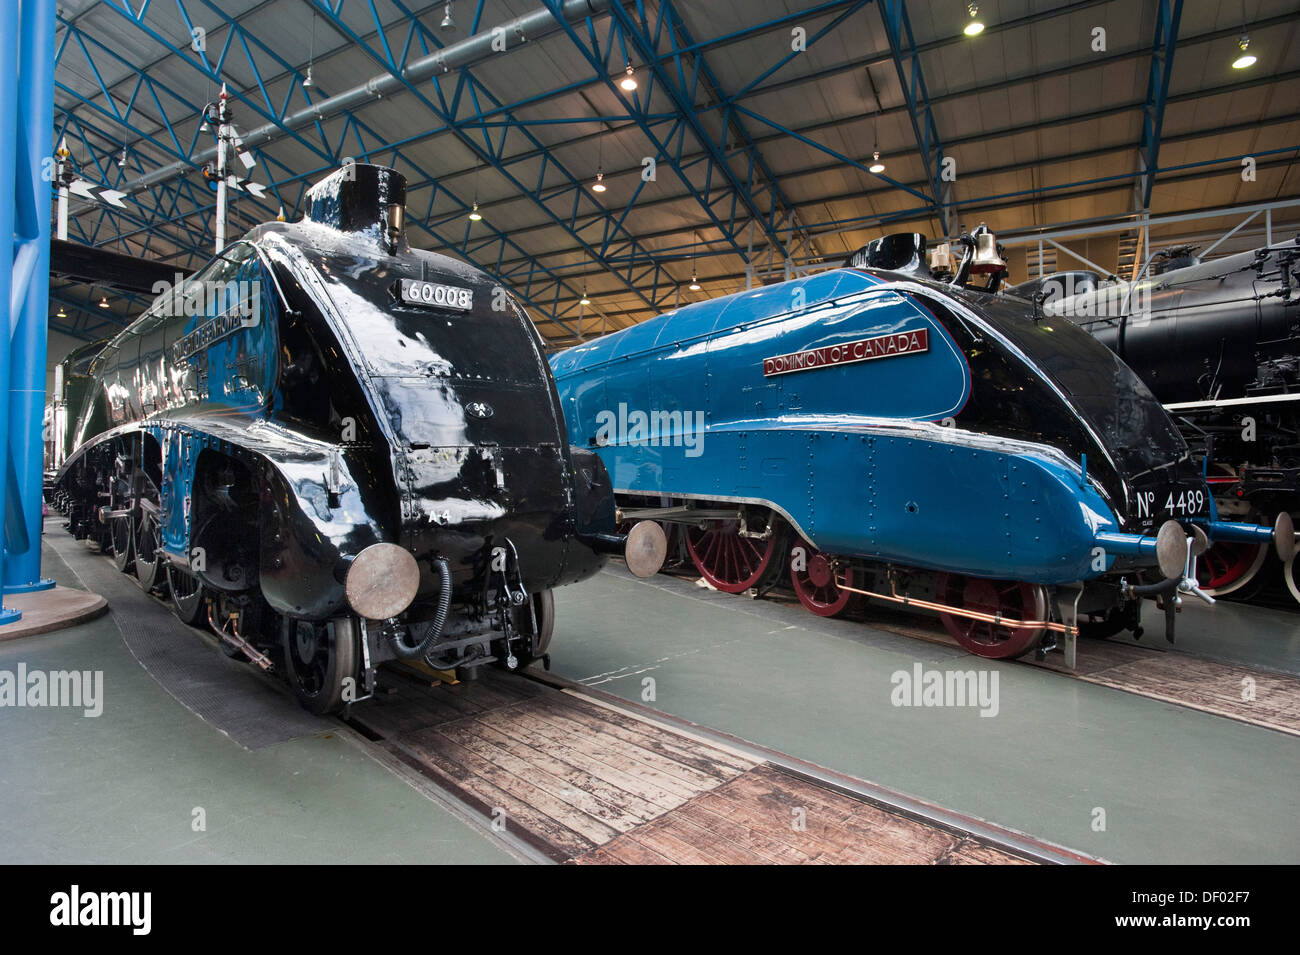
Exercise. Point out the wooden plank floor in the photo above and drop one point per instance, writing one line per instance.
(769, 816)
(1149, 670)
(1201, 684)
(589, 784)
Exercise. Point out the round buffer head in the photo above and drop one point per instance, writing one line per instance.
(1172, 549)
(382, 581)
(1284, 536)
(647, 546)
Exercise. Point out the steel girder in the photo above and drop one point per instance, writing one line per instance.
(1168, 15)
(907, 61)
(736, 191)
(640, 270)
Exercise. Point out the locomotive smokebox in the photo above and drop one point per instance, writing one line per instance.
(361, 197)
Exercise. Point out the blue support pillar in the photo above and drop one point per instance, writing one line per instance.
(29, 295)
(8, 130)
(1168, 15)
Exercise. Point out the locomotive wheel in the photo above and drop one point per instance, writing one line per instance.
(1012, 599)
(147, 537)
(121, 541)
(121, 530)
(1229, 566)
(318, 657)
(816, 586)
(1103, 626)
(1289, 571)
(188, 595)
(728, 561)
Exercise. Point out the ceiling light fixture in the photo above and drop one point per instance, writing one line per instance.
(876, 167)
(311, 55)
(628, 82)
(474, 214)
(447, 24)
(121, 160)
(599, 184)
(975, 27)
(60, 313)
(584, 300)
(103, 302)
(1246, 60)
(695, 282)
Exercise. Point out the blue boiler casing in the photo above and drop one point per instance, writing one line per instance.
(892, 418)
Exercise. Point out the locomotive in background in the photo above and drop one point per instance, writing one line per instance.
(1218, 342)
(338, 450)
(925, 443)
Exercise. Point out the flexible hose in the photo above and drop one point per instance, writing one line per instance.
(406, 652)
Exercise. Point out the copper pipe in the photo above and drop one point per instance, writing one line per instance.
(996, 619)
(235, 640)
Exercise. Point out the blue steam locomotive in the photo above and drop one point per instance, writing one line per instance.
(884, 434)
(337, 450)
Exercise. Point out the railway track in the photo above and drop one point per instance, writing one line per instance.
(584, 777)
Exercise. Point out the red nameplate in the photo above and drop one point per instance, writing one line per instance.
(883, 346)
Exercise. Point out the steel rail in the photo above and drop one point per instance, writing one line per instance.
(989, 833)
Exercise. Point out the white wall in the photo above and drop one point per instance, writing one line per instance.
(55, 351)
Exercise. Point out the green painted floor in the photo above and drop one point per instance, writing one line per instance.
(1176, 785)
(123, 787)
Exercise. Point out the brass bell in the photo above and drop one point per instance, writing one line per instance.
(986, 258)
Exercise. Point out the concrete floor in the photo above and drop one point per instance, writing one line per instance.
(123, 787)
(1176, 785)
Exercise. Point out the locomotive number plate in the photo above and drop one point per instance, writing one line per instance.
(1187, 502)
(415, 292)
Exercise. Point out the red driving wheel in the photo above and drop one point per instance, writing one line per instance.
(1229, 566)
(815, 584)
(727, 560)
(1014, 600)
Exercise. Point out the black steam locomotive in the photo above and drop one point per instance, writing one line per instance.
(338, 450)
(1218, 342)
